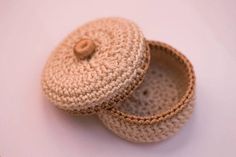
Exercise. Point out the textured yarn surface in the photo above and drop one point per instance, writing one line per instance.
(161, 105)
(109, 75)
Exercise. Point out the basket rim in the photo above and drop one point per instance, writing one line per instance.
(183, 102)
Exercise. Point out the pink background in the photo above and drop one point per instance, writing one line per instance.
(203, 30)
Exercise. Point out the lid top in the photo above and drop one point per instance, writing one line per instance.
(97, 65)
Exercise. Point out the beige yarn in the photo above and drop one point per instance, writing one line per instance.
(161, 105)
(110, 74)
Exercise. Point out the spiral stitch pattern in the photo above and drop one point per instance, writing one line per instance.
(109, 75)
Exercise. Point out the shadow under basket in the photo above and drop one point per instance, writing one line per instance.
(161, 105)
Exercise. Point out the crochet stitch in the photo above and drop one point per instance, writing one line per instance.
(161, 105)
(84, 83)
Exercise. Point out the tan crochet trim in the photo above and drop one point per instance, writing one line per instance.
(83, 83)
(134, 123)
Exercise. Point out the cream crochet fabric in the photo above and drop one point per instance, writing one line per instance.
(87, 84)
(103, 67)
(160, 106)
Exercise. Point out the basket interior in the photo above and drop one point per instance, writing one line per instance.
(164, 85)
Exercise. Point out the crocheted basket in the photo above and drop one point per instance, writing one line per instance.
(160, 106)
(96, 66)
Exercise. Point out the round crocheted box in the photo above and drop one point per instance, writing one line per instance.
(160, 106)
(97, 65)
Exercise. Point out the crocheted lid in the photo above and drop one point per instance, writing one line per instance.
(96, 66)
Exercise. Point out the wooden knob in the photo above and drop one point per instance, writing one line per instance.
(84, 48)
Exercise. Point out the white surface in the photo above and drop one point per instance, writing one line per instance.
(29, 126)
